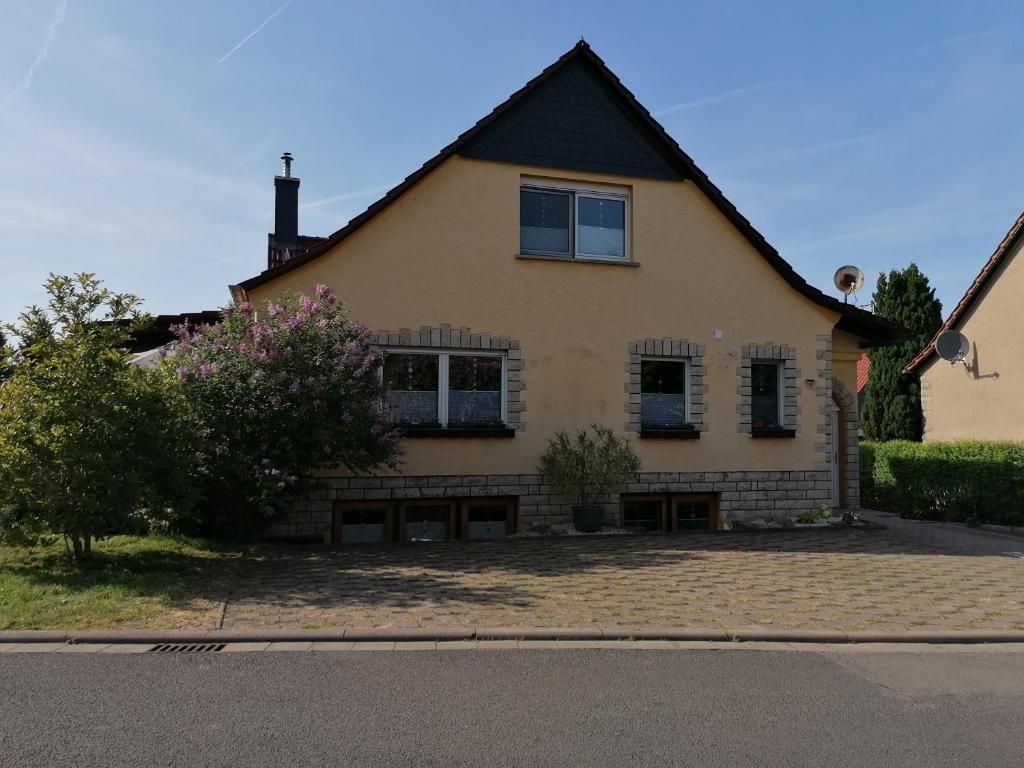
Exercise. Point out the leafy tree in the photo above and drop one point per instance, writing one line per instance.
(892, 405)
(278, 395)
(87, 441)
(5, 353)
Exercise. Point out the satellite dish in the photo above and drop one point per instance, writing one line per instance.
(952, 346)
(848, 279)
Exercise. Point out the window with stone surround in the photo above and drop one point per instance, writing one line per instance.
(769, 390)
(445, 389)
(765, 394)
(453, 382)
(665, 389)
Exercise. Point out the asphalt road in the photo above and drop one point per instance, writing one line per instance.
(503, 708)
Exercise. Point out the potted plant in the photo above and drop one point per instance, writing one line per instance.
(586, 466)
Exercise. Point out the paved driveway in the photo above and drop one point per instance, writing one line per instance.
(910, 576)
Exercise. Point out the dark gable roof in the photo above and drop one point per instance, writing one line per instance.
(974, 292)
(574, 121)
(580, 79)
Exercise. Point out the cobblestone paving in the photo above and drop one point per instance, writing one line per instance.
(908, 577)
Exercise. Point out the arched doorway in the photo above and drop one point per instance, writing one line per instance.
(845, 422)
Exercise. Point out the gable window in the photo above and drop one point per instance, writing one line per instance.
(663, 401)
(445, 390)
(573, 222)
(765, 391)
(545, 219)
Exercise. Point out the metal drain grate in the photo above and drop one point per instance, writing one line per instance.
(186, 648)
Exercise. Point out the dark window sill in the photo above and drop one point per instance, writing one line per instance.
(582, 259)
(669, 433)
(457, 432)
(774, 432)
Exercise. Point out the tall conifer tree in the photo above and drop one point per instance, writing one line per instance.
(892, 406)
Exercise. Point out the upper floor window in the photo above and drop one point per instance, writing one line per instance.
(445, 389)
(765, 395)
(573, 222)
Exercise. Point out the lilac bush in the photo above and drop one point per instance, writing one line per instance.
(275, 395)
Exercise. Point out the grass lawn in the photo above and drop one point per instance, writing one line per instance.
(131, 581)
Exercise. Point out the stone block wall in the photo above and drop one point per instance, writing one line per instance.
(743, 495)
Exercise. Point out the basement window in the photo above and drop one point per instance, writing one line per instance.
(361, 522)
(487, 518)
(680, 512)
(426, 520)
(393, 520)
(647, 514)
(574, 222)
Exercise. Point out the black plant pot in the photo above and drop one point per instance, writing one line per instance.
(588, 518)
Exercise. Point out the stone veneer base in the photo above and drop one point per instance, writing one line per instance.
(742, 495)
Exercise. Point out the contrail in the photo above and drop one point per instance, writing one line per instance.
(345, 196)
(59, 12)
(712, 99)
(248, 37)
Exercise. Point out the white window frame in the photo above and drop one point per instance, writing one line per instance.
(686, 383)
(443, 356)
(779, 391)
(575, 191)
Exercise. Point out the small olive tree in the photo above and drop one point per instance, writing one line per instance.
(276, 394)
(87, 440)
(589, 464)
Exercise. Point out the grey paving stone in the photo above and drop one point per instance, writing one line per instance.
(83, 648)
(37, 648)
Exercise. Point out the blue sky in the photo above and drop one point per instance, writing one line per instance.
(139, 140)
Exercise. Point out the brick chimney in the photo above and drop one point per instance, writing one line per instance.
(284, 241)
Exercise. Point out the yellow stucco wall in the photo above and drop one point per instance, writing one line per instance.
(446, 253)
(959, 405)
(845, 353)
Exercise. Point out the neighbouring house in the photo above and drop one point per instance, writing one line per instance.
(979, 397)
(562, 263)
(147, 345)
(863, 374)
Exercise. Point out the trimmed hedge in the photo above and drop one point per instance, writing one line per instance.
(958, 481)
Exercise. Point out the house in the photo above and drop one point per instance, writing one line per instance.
(562, 263)
(150, 343)
(978, 398)
(863, 376)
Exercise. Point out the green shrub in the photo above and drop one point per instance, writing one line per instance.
(273, 397)
(86, 438)
(589, 464)
(953, 481)
(868, 496)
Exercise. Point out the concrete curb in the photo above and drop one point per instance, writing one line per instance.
(153, 637)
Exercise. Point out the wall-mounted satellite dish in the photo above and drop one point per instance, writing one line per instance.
(952, 346)
(848, 279)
